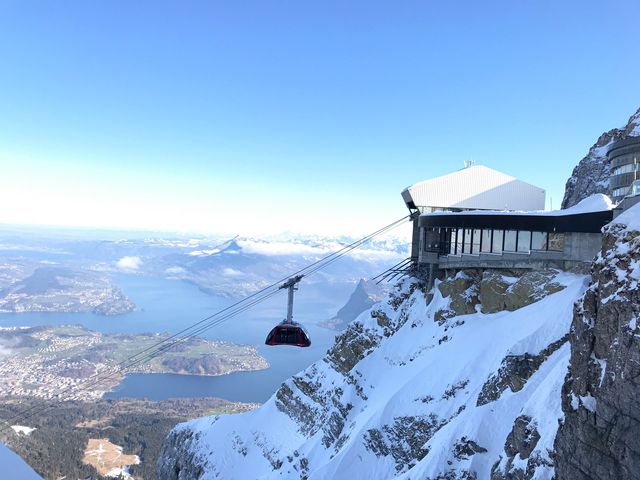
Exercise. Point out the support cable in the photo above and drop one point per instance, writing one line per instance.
(201, 326)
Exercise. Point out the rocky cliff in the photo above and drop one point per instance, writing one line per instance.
(591, 175)
(464, 386)
(599, 438)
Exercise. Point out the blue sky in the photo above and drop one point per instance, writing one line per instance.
(258, 117)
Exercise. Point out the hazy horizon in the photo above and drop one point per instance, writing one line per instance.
(255, 119)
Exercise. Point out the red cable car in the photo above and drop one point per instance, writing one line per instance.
(289, 332)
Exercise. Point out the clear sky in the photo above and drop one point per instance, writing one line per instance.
(263, 116)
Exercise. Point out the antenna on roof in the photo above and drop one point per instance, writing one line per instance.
(469, 163)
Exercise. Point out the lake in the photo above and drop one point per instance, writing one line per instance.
(171, 305)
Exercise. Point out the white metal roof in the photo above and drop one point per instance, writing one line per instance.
(476, 187)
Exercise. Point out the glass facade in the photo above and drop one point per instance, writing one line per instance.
(524, 241)
(485, 243)
(452, 244)
(620, 192)
(475, 241)
(510, 239)
(624, 159)
(498, 241)
(456, 241)
(467, 235)
(539, 240)
(628, 168)
(460, 233)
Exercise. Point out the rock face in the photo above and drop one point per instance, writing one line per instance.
(600, 436)
(514, 372)
(397, 395)
(461, 291)
(592, 174)
(494, 291)
(184, 462)
(519, 464)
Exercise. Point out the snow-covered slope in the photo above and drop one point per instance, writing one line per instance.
(410, 392)
(591, 175)
(13, 467)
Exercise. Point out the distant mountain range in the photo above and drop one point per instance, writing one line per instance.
(38, 272)
(245, 265)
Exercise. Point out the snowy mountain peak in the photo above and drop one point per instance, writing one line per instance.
(232, 247)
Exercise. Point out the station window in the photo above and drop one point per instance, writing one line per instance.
(538, 240)
(510, 238)
(498, 238)
(628, 168)
(459, 243)
(466, 248)
(455, 241)
(524, 241)
(431, 239)
(485, 244)
(452, 242)
(475, 241)
(621, 192)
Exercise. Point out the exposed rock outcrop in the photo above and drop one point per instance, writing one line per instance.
(591, 175)
(177, 461)
(520, 463)
(500, 292)
(514, 372)
(494, 291)
(404, 439)
(600, 436)
(465, 448)
(396, 396)
(462, 292)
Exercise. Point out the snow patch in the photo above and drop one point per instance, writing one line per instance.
(20, 429)
(629, 218)
(120, 472)
(602, 365)
(595, 203)
(588, 402)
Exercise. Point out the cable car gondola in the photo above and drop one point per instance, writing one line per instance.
(289, 332)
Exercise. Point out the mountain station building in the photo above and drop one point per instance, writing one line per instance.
(479, 217)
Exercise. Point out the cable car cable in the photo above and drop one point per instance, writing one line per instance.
(133, 361)
(136, 359)
(118, 368)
